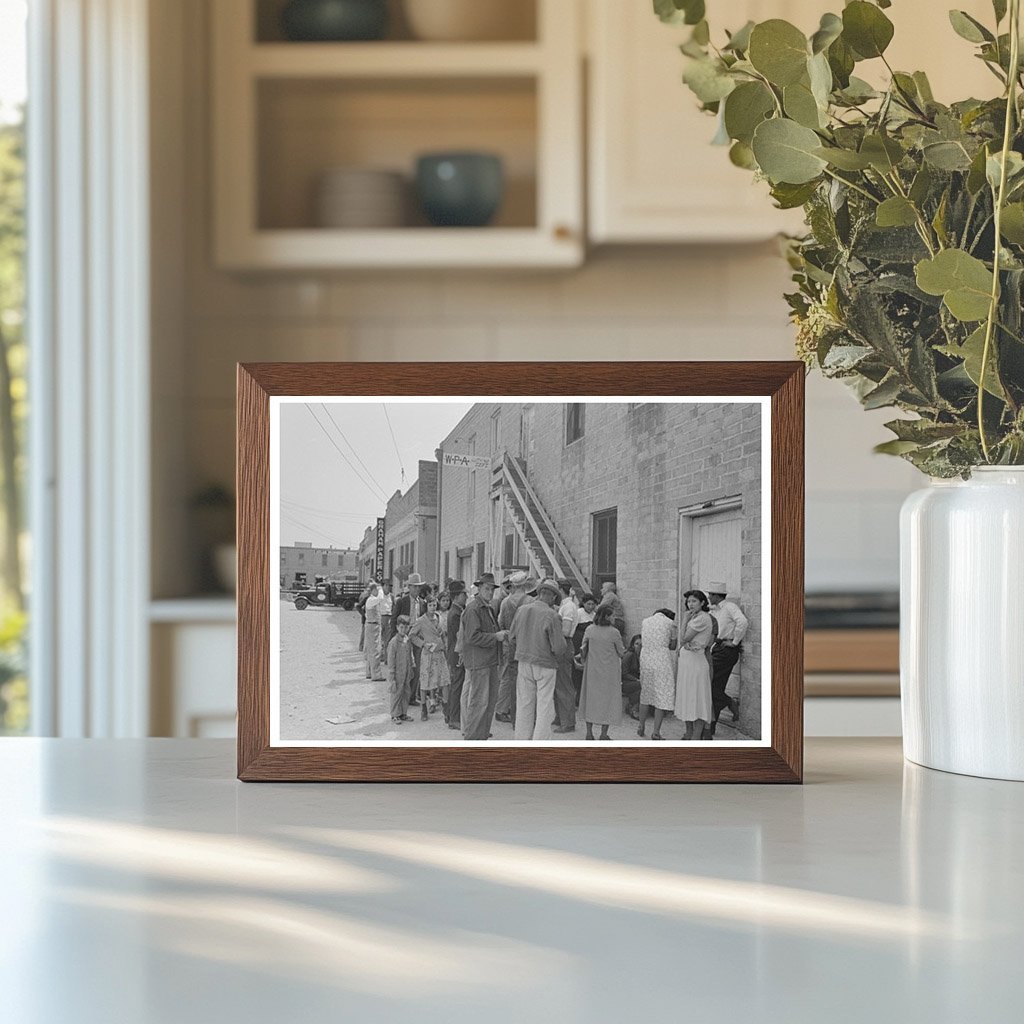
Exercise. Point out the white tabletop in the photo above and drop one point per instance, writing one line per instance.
(142, 884)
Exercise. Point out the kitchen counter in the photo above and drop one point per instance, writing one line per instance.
(143, 884)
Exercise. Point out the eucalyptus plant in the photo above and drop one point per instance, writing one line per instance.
(910, 278)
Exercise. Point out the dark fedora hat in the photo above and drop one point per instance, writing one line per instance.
(456, 587)
(487, 580)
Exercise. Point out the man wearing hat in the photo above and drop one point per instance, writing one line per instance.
(519, 582)
(480, 640)
(457, 671)
(540, 648)
(732, 628)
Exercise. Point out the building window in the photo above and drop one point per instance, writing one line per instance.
(412, 552)
(302, 557)
(341, 562)
(574, 421)
(481, 558)
(447, 566)
(606, 528)
(391, 564)
(472, 475)
(495, 431)
(284, 559)
(323, 559)
(510, 551)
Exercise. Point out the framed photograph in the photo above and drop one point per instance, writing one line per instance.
(505, 572)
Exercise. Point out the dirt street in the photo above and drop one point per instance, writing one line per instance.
(323, 676)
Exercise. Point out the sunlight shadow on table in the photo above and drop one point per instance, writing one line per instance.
(740, 904)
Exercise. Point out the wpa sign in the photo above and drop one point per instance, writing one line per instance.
(457, 461)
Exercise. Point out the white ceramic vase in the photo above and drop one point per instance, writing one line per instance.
(962, 624)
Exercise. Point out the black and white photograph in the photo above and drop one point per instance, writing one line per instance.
(449, 571)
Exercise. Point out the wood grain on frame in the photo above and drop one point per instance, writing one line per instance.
(782, 761)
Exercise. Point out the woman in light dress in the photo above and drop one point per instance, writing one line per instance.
(693, 677)
(602, 652)
(657, 669)
(427, 635)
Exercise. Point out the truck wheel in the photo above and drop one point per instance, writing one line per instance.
(348, 605)
(301, 603)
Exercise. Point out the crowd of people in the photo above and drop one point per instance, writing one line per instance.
(536, 654)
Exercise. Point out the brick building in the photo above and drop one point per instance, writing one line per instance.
(367, 554)
(410, 529)
(658, 497)
(330, 562)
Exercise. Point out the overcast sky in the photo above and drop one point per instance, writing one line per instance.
(326, 500)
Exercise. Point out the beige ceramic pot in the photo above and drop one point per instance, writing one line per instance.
(471, 20)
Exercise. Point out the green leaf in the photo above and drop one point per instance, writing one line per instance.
(679, 12)
(844, 159)
(778, 50)
(820, 76)
(947, 156)
(830, 29)
(895, 447)
(741, 155)
(923, 431)
(963, 281)
(1012, 224)
(866, 29)
(785, 152)
(921, 186)
(968, 28)
(707, 80)
(883, 153)
(971, 352)
(994, 168)
(801, 106)
(701, 33)
(739, 41)
(885, 394)
(976, 174)
(896, 212)
(789, 197)
(924, 88)
(841, 60)
(745, 108)
(999, 6)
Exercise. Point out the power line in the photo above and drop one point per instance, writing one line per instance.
(348, 462)
(327, 409)
(324, 513)
(305, 526)
(393, 441)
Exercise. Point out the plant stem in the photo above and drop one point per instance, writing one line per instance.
(993, 309)
(855, 187)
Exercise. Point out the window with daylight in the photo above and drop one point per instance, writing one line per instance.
(14, 536)
(606, 528)
(574, 417)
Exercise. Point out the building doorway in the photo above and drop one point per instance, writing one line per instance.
(604, 556)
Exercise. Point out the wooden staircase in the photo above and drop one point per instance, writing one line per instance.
(548, 552)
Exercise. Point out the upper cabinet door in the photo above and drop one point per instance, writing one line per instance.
(654, 175)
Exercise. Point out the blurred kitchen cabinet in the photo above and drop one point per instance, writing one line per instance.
(653, 175)
(193, 671)
(287, 114)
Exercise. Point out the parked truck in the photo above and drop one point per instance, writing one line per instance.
(328, 594)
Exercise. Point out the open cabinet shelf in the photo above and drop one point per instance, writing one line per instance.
(287, 114)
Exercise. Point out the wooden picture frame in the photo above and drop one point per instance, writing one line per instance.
(778, 386)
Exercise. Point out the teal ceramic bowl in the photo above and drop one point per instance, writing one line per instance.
(462, 190)
(334, 21)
